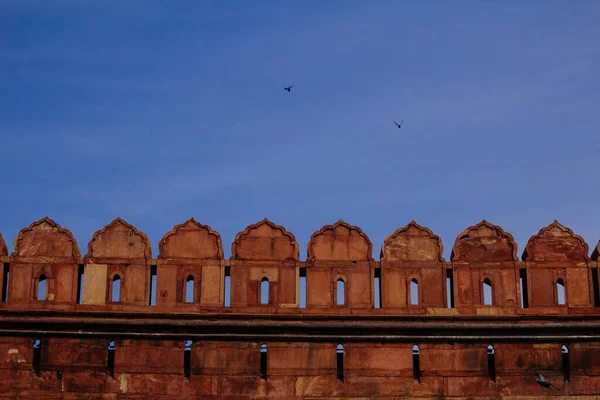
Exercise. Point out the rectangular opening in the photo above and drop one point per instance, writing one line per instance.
(340, 362)
(596, 287)
(110, 363)
(37, 354)
(80, 270)
(523, 285)
(491, 365)
(6, 277)
(227, 294)
(565, 363)
(377, 291)
(187, 363)
(153, 285)
(416, 363)
(263, 361)
(449, 288)
(302, 287)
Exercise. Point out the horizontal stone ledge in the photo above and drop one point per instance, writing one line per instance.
(282, 337)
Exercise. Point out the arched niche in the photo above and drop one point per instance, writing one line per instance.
(119, 239)
(3, 248)
(340, 241)
(412, 243)
(191, 239)
(556, 242)
(265, 241)
(484, 242)
(45, 238)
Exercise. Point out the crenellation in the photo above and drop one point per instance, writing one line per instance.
(450, 311)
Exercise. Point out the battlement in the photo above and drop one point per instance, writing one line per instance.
(116, 323)
(266, 275)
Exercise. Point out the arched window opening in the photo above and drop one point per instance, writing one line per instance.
(487, 292)
(41, 290)
(449, 288)
(264, 291)
(414, 292)
(340, 298)
(153, 273)
(340, 362)
(189, 289)
(116, 289)
(416, 362)
(263, 361)
(377, 284)
(566, 367)
(491, 362)
(187, 359)
(80, 281)
(302, 299)
(110, 364)
(227, 288)
(560, 291)
(37, 352)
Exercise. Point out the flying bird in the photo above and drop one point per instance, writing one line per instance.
(289, 88)
(399, 125)
(544, 383)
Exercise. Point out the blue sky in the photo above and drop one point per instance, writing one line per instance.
(159, 111)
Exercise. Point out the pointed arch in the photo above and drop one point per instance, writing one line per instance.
(484, 242)
(119, 239)
(265, 240)
(45, 238)
(412, 242)
(556, 242)
(340, 241)
(191, 239)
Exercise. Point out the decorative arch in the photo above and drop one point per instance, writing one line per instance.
(412, 243)
(265, 240)
(484, 242)
(191, 239)
(340, 241)
(3, 248)
(556, 242)
(45, 238)
(119, 239)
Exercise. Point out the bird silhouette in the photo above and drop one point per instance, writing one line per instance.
(289, 88)
(399, 125)
(544, 383)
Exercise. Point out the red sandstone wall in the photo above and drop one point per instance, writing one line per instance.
(73, 365)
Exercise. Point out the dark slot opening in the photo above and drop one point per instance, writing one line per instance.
(187, 360)
(6, 277)
(227, 294)
(565, 363)
(110, 364)
(80, 270)
(303, 288)
(377, 288)
(153, 285)
(37, 353)
(491, 363)
(596, 285)
(450, 288)
(340, 362)
(416, 363)
(263, 361)
(524, 291)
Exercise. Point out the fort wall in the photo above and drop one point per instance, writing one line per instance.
(116, 323)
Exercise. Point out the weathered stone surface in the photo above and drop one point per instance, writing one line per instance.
(3, 248)
(45, 238)
(484, 242)
(556, 242)
(412, 243)
(265, 241)
(191, 240)
(119, 239)
(340, 241)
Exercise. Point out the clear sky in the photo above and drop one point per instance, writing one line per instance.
(160, 111)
